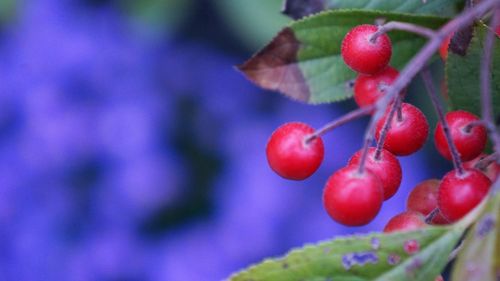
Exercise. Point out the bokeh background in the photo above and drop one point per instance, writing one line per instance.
(131, 149)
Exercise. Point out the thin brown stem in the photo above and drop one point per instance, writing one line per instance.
(399, 104)
(386, 127)
(431, 90)
(430, 217)
(484, 162)
(353, 115)
(364, 154)
(485, 78)
(404, 26)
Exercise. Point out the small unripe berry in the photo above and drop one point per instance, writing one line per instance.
(405, 221)
(406, 135)
(469, 143)
(352, 198)
(387, 168)
(361, 54)
(460, 193)
(491, 171)
(290, 156)
(369, 88)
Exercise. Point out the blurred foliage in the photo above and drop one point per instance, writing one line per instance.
(255, 22)
(158, 14)
(7, 10)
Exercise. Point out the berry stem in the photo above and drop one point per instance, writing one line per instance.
(353, 115)
(420, 59)
(364, 154)
(399, 104)
(429, 85)
(387, 126)
(431, 216)
(397, 25)
(485, 72)
(486, 161)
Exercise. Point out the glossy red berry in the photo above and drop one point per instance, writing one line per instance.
(424, 199)
(491, 171)
(361, 54)
(405, 221)
(406, 135)
(290, 156)
(351, 198)
(469, 143)
(387, 168)
(369, 88)
(443, 49)
(458, 194)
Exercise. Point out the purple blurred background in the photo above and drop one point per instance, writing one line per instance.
(132, 150)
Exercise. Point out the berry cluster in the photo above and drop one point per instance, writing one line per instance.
(354, 194)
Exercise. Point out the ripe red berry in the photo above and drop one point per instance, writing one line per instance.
(369, 88)
(458, 194)
(469, 143)
(424, 199)
(290, 156)
(406, 135)
(497, 31)
(387, 168)
(405, 221)
(352, 198)
(491, 171)
(363, 55)
(443, 49)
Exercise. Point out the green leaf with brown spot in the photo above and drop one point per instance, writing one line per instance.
(462, 75)
(480, 257)
(303, 61)
(381, 257)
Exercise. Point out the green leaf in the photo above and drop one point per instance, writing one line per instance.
(430, 7)
(480, 257)
(303, 61)
(299, 8)
(382, 257)
(462, 75)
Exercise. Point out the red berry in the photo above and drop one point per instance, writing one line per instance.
(491, 171)
(405, 221)
(443, 50)
(369, 88)
(362, 55)
(353, 198)
(424, 199)
(406, 135)
(458, 194)
(290, 156)
(469, 143)
(497, 31)
(387, 168)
